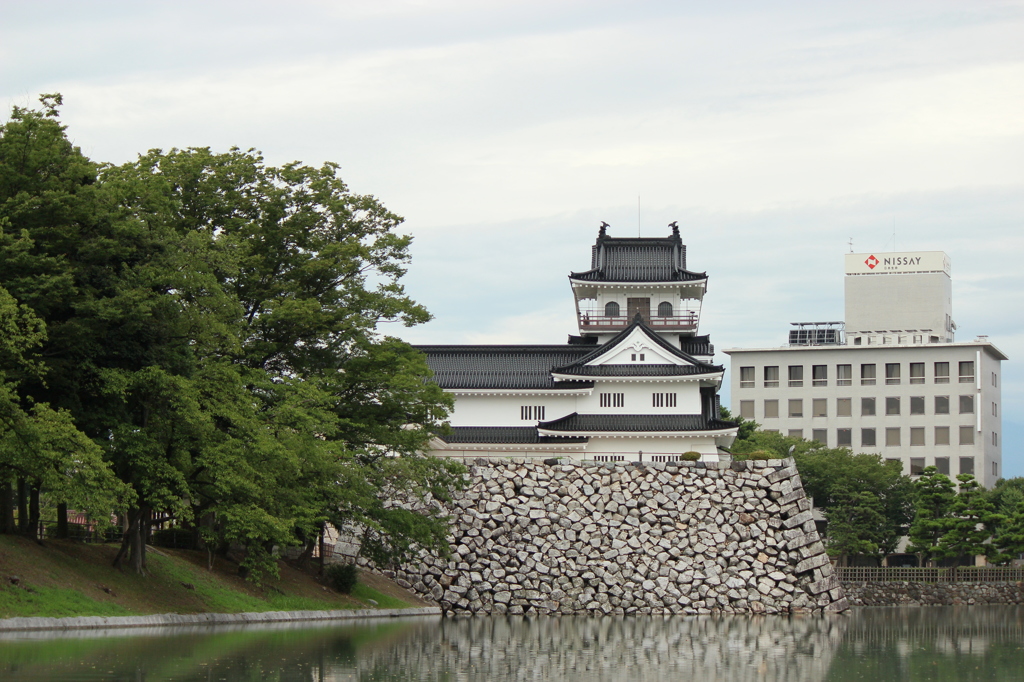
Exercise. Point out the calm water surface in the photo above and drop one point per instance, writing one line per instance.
(956, 643)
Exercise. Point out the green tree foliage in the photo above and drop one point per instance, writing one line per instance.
(1009, 540)
(971, 523)
(934, 509)
(213, 330)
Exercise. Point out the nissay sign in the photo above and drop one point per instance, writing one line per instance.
(896, 262)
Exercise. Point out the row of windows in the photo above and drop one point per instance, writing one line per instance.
(613, 400)
(868, 374)
(663, 400)
(893, 436)
(868, 406)
(613, 309)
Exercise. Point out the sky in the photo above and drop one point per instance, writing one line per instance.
(775, 133)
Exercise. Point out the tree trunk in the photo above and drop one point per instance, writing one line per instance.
(22, 506)
(133, 545)
(62, 521)
(323, 530)
(7, 526)
(33, 514)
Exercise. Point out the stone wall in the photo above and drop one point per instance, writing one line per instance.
(932, 594)
(653, 538)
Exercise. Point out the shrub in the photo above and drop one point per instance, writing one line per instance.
(761, 454)
(690, 456)
(343, 577)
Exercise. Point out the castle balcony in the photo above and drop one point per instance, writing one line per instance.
(597, 321)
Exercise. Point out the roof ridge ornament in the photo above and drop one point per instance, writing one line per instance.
(603, 230)
(675, 228)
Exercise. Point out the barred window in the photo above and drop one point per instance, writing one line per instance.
(531, 412)
(669, 400)
(613, 400)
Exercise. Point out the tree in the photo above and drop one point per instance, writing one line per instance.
(1009, 541)
(934, 509)
(971, 523)
(854, 518)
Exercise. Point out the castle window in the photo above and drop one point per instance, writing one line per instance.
(611, 309)
(669, 400)
(531, 412)
(664, 309)
(613, 400)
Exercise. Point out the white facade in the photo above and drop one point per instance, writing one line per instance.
(893, 388)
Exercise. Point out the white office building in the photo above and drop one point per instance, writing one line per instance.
(892, 380)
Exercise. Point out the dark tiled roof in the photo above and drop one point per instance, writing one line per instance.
(636, 370)
(696, 345)
(503, 434)
(635, 422)
(638, 321)
(638, 259)
(501, 367)
(585, 340)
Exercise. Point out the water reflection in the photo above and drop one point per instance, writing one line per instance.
(965, 643)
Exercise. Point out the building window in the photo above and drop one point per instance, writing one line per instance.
(995, 439)
(746, 377)
(942, 435)
(892, 436)
(844, 438)
(844, 407)
(967, 465)
(771, 409)
(917, 372)
(867, 375)
(892, 405)
(867, 407)
(819, 407)
(995, 382)
(844, 375)
(634, 355)
(942, 372)
(531, 412)
(942, 464)
(892, 373)
(918, 338)
(796, 376)
(613, 400)
(796, 407)
(867, 438)
(856, 341)
(995, 468)
(917, 435)
(967, 404)
(966, 435)
(917, 404)
(967, 372)
(669, 400)
(746, 408)
(611, 309)
(995, 410)
(820, 435)
(916, 465)
(664, 309)
(771, 377)
(796, 433)
(819, 375)
(942, 404)
(609, 458)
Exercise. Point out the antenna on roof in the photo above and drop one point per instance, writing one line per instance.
(851, 244)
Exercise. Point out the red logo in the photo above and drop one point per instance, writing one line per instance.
(871, 262)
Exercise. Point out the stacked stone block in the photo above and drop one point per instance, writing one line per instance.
(530, 537)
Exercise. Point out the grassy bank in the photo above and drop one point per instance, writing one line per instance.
(66, 578)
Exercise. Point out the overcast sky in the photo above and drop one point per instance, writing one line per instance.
(505, 131)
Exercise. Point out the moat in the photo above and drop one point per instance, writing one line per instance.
(878, 644)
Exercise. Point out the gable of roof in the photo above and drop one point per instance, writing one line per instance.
(612, 347)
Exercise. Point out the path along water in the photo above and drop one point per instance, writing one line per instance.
(876, 645)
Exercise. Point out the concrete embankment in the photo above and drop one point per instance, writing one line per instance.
(651, 538)
(178, 619)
